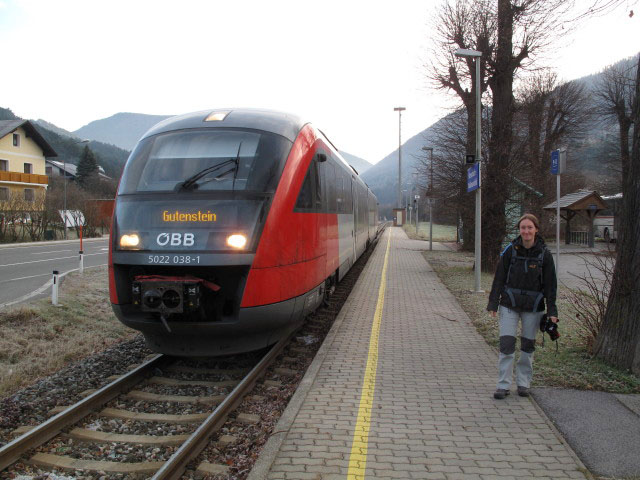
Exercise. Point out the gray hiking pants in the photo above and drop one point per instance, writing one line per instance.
(508, 331)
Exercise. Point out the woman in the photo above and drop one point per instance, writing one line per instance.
(525, 278)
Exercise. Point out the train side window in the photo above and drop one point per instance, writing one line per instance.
(330, 190)
(310, 196)
(318, 186)
(305, 197)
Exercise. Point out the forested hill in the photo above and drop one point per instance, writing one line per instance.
(110, 157)
(360, 164)
(122, 129)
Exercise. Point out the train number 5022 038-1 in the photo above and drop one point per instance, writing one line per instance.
(173, 259)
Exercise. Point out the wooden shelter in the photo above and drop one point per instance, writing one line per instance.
(584, 202)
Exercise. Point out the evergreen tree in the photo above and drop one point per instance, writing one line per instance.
(87, 166)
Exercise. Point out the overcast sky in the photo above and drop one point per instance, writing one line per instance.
(344, 65)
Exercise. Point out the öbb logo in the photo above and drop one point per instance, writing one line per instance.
(175, 239)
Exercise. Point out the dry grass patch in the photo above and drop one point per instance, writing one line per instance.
(570, 367)
(441, 233)
(37, 338)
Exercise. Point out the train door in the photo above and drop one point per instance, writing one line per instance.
(354, 199)
(320, 160)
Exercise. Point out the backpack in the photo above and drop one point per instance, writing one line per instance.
(525, 299)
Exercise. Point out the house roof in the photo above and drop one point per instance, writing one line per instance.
(72, 169)
(9, 126)
(69, 167)
(580, 200)
(527, 187)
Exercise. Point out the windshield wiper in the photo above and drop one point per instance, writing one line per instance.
(191, 181)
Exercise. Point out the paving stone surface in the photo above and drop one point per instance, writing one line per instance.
(434, 416)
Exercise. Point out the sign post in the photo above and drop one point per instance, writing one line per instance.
(558, 166)
(473, 183)
(473, 177)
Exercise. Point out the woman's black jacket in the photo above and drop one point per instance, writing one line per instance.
(545, 283)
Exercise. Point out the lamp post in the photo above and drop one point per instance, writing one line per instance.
(466, 53)
(430, 150)
(64, 177)
(399, 110)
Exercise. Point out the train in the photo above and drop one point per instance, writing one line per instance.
(229, 227)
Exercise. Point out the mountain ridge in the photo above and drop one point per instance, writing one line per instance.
(122, 129)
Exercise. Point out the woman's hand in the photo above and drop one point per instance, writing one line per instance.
(554, 319)
(494, 313)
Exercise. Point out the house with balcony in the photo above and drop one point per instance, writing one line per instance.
(23, 179)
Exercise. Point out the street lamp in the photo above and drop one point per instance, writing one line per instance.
(430, 150)
(399, 110)
(467, 53)
(64, 177)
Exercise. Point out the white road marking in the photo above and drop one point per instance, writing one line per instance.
(24, 278)
(54, 251)
(48, 260)
(64, 242)
(44, 287)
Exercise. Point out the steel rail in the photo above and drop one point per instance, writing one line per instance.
(13, 450)
(191, 448)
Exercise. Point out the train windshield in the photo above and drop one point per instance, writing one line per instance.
(206, 160)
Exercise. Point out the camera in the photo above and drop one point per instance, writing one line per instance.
(550, 327)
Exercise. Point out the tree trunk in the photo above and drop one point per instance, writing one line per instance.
(624, 123)
(619, 338)
(495, 190)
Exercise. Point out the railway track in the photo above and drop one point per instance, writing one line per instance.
(205, 392)
(185, 447)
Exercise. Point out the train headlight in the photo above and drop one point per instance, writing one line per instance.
(129, 241)
(237, 241)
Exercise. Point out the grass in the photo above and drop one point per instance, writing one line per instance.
(570, 367)
(37, 339)
(441, 233)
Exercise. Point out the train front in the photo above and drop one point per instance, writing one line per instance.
(191, 205)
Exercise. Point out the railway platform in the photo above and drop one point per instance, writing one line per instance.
(402, 388)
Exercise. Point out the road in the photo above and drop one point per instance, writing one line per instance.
(26, 268)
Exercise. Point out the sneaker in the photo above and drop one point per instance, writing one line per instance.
(523, 391)
(501, 393)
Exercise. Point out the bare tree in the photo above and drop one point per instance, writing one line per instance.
(619, 340)
(462, 24)
(548, 116)
(509, 33)
(614, 96)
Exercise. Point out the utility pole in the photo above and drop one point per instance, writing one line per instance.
(399, 110)
(430, 197)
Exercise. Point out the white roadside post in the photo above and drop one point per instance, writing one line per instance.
(558, 166)
(54, 289)
(81, 266)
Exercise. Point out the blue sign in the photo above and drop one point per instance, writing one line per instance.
(473, 177)
(555, 162)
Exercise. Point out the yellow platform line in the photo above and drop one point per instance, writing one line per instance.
(358, 456)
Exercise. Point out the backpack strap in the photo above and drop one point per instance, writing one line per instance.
(510, 265)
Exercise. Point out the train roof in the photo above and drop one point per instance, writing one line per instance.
(280, 123)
